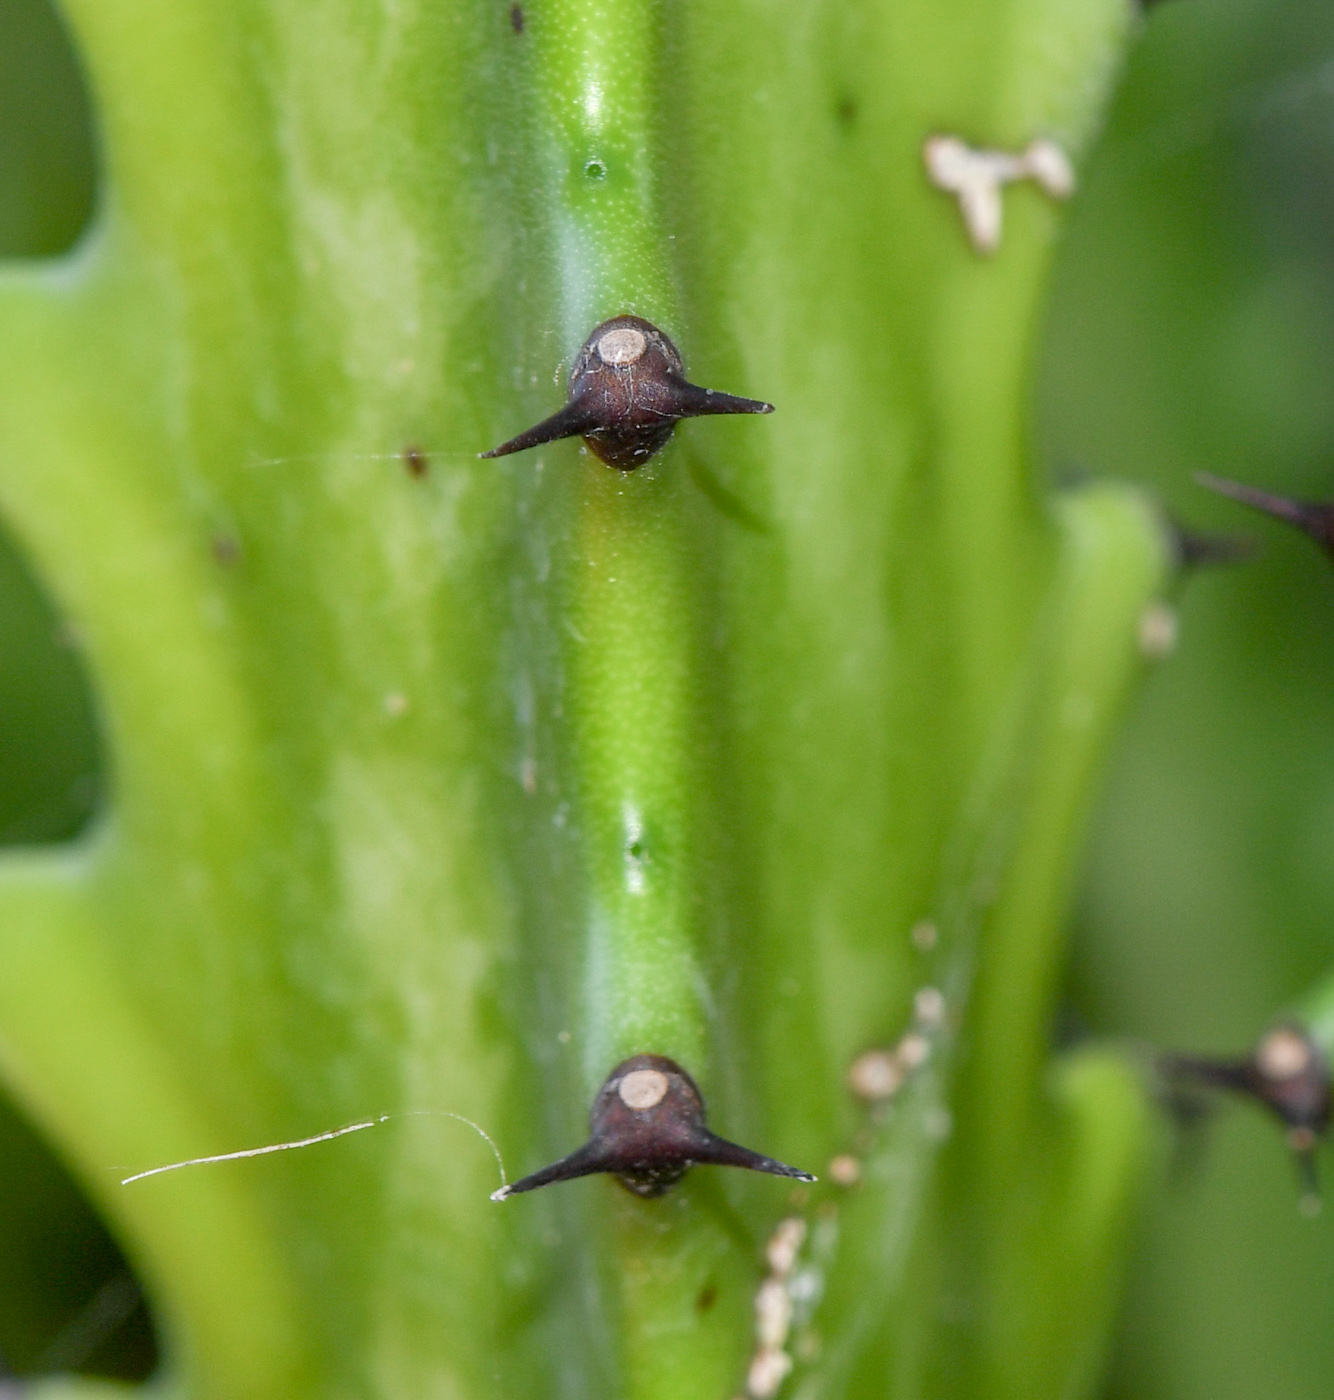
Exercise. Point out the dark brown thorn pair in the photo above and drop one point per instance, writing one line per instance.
(627, 392)
(1286, 1073)
(1314, 518)
(647, 1130)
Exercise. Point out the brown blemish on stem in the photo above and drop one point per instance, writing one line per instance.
(226, 550)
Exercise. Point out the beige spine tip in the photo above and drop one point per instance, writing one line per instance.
(622, 346)
(643, 1089)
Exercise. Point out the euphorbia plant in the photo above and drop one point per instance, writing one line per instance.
(439, 785)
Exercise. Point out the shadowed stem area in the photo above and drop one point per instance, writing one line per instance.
(450, 789)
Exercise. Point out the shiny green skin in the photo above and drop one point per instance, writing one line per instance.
(445, 793)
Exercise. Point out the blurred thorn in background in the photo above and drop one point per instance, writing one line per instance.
(1314, 518)
(1287, 1074)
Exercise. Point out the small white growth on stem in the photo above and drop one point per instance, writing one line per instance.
(1157, 631)
(768, 1371)
(977, 177)
(845, 1170)
(805, 1287)
(875, 1075)
(773, 1314)
(913, 1050)
(928, 1007)
(924, 935)
(643, 1089)
(1049, 165)
(784, 1244)
(770, 1364)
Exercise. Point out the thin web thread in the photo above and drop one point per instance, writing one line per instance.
(316, 458)
(326, 1137)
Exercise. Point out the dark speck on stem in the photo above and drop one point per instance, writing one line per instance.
(226, 549)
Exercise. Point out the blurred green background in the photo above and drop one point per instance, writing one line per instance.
(1191, 327)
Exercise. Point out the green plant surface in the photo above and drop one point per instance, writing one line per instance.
(436, 794)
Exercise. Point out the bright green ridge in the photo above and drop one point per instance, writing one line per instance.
(629, 628)
(439, 795)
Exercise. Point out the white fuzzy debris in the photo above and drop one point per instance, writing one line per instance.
(784, 1244)
(1157, 631)
(773, 1314)
(928, 1007)
(768, 1371)
(329, 1136)
(977, 177)
(257, 1151)
(643, 1089)
(875, 1075)
(805, 1288)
